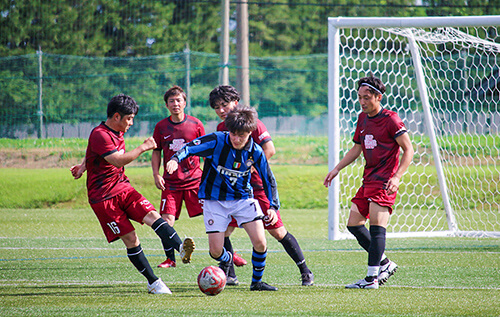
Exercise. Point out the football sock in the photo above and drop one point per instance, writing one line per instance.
(370, 278)
(167, 234)
(138, 259)
(295, 252)
(363, 236)
(384, 261)
(229, 248)
(372, 271)
(259, 264)
(169, 250)
(377, 245)
(224, 257)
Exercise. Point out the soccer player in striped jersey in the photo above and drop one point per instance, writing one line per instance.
(171, 134)
(379, 135)
(114, 201)
(223, 99)
(226, 191)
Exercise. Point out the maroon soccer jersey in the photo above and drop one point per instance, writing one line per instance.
(171, 137)
(259, 136)
(104, 180)
(377, 136)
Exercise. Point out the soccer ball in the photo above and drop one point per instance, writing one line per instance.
(211, 280)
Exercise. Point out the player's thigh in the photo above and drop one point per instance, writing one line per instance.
(379, 215)
(130, 240)
(113, 219)
(355, 217)
(171, 203)
(193, 204)
(137, 206)
(277, 233)
(215, 216)
(256, 233)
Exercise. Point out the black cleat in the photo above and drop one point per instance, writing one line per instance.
(307, 279)
(261, 286)
(232, 281)
(225, 266)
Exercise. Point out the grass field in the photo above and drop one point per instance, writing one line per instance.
(56, 262)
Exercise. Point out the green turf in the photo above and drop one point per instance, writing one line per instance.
(56, 262)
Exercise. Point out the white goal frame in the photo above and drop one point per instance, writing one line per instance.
(335, 26)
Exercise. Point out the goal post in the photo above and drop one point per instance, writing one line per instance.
(442, 78)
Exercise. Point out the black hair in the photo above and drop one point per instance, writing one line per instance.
(174, 91)
(223, 94)
(374, 82)
(241, 119)
(122, 104)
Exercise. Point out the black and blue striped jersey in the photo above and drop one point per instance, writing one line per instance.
(227, 171)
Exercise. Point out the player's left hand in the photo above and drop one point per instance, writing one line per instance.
(171, 166)
(392, 185)
(77, 170)
(271, 217)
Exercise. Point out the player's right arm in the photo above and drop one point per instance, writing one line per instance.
(269, 149)
(203, 146)
(120, 159)
(350, 157)
(78, 170)
(155, 165)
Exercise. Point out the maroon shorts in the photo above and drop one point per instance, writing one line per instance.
(171, 202)
(261, 197)
(366, 195)
(114, 214)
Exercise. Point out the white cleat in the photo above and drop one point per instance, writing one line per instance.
(363, 283)
(158, 287)
(386, 271)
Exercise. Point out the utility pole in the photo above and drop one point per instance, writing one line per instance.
(187, 55)
(242, 79)
(224, 44)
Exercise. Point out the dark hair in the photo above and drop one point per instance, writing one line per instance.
(223, 93)
(174, 91)
(122, 104)
(241, 119)
(374, 82)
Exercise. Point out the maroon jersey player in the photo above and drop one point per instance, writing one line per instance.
(223, 99)
(379, 135)
(113, 199)
(171, 134)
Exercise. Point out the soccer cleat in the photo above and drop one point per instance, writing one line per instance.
(307, 279)
(261, 286)
(232, 281)
(225, 266)
(238, 260)
(158, 287)
(386, 271)
(363, 283)
(186, 250)
(167, 263)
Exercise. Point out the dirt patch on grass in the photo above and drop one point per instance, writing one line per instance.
(42, 158)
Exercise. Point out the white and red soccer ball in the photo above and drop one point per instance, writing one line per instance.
(211, 280)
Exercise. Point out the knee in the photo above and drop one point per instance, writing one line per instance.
(278, 233)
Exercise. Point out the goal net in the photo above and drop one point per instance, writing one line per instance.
(443, 79)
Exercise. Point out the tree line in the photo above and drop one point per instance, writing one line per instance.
(142, 28)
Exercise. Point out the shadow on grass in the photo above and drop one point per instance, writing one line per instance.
(105, 290)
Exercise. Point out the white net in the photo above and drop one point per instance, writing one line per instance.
(461, 71)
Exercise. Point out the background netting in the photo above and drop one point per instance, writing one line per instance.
(461, 70)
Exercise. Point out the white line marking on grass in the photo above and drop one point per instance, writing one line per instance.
(328, 285)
